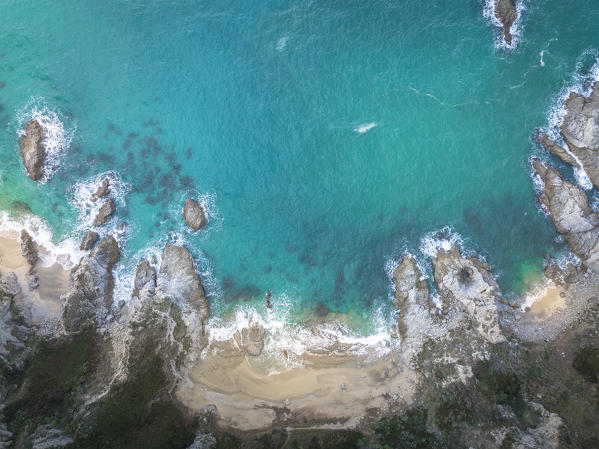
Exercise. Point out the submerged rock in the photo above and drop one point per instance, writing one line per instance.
(468, 285)
(92, 284)
(145, 281)
(410, 291)
(29, 248)
(105, 213)
(251, 339)
(506, 13)
(89, 239)
(571, 214)
(33, 150)
(179, 281)
(102, 191)
(194, 215)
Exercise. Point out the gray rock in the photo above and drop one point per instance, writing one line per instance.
(33, 149)
(89, 239)
(90, 294)
(251, 339)
(194, 215)
(467, 285)
(145, 281)
(506, 13)
(580, 130)
(105, 213)
(9, 284)
(571, 213)
(410, 290)
(178, 280)
(33, 282)
(102, 191)
(29, 248)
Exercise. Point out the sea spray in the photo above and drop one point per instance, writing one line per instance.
(57, 137)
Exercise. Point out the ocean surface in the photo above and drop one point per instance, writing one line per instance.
(325, 138)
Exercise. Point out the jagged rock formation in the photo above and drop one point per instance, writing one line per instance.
(506, 13)
(88, 240)
(33, 149)
(411, 293)
(468, 284)
(102, 191)
(105, 213)
(144, 285)
(247, 341)
(29, 248)
(580, 131)
(194, 215)
(571, 214)
(92, 283)
(178, 280)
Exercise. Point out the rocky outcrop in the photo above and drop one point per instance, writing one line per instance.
(89, 239)
(580, 131)
(411, 292)
(102, 191)
(105, 213)
(571, 214)
(467, 285)
(178, 280)
(33, 149)
(29, 248)
(92, 284)
(9, 284)
(506, 13)
(144, 285)
(194, 215)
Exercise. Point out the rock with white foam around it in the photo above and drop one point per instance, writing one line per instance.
(507, 13)
(194, 215)
(33, 149)
(571, 214)
(105, 213)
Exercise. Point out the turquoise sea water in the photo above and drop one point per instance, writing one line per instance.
(257, 107)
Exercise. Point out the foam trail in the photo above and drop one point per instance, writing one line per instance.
(57, 137)
(365, 127)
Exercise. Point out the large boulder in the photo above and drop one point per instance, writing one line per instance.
(571, 213)
(33, 149)
(144, 285)
(9, 285)
(411, 292)
(194, 215)
(178, 280)
(29, 248)
(105, 213)
(90, 294)
(580, 130)
(467, 285)
(89, 239)
(507, 13)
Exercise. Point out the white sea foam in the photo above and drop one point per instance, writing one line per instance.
(364, 127)
(66, 252)
(282, 43)
(444, 239)
(57, 137)
(79, 195)
(515, 29)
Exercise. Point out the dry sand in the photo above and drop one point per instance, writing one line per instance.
(340, 394)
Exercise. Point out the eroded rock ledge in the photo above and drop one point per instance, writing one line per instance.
(33, 149)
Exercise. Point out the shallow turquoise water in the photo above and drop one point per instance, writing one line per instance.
(256, 104)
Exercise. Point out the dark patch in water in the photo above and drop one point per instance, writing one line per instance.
(291, 248)
(186, 182)
(321, 309)
(268, 269)
(106, 158)
(339, 281)
(11, 69)
(90, 159)
(233, 293)
(473, 220)
(1, 108)
(2, 84)
(110, 126)
(188, 153)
